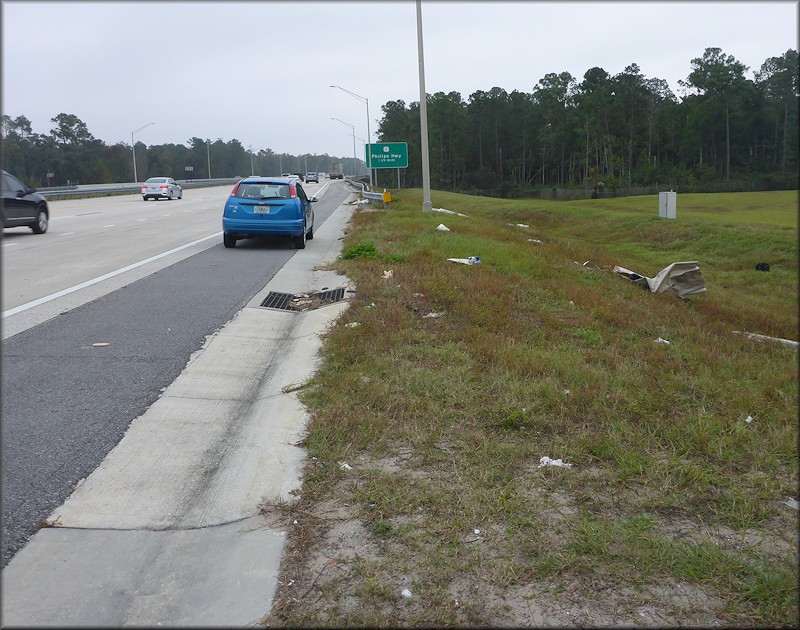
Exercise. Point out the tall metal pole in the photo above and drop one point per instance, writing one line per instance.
(353, 127)
(133, 148)
(369, 134)
(208, 155)
(423, 117)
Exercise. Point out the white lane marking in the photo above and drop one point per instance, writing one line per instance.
(66, 233)
(142, 219)
(106, 276)
(166, 215)
(69, 216)
(9, 244)
(112, 225)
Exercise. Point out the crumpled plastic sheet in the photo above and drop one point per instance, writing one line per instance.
(679, 278)
(442, 228)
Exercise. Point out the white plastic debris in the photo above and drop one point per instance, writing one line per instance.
(522, 225)
(566, 391)
(546, 461)
(371, 305)
(792, 503)
(748, 419)
(406, 593)
(472, 260)
(758, 337)
(447, 211)
(534, 240)
(476, 531)
(660, 340)
(345, 466)
(352, 325)
(432, 315)
(388, 274)
(442, 228)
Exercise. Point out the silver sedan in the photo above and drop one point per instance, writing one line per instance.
(161, 188)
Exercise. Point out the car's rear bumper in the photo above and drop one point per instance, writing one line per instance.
(246, 227)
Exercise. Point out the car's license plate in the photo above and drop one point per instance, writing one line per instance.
(261, 209)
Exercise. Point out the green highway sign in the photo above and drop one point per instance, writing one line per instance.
(387, 155)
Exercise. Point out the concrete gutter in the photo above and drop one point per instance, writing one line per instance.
(167, 530)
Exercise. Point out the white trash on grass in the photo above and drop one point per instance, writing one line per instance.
(432, 314)
(388, 274)
(345, 466)
(546, 461)
(792, 503)
(406, 593)
(758, 337)
(447, 211)
(442, 228)
(472, 260)
(660, 340)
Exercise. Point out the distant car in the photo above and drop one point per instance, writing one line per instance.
(301, 176)
(266, 206)
(23, 206)
(161, 188)
(312, 177)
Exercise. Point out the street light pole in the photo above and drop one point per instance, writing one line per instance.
(353, 127)
(133, 148)
(369, 136)
(423, 117)
(208, 155)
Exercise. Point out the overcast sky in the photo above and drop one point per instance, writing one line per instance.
(260, 72)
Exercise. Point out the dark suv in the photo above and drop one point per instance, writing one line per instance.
(23, 206)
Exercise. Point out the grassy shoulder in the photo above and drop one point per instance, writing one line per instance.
(443, 385)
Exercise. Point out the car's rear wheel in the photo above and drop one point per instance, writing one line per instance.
(229, 240)
(169, 196)
(310, 233)
(40, 227)
(300, 241)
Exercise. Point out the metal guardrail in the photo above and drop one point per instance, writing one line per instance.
(130, 188)
(375, 198)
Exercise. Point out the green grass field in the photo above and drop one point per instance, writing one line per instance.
(541, 350)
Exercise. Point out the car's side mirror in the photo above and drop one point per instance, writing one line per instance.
(312, 200)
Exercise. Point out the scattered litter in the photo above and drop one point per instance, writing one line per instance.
(546, 461)
(388, 274)
(476, 531)
(660, 340)
(447, 211)
(442, 228)
(352, 325)
(290, 583)
(295, 522)
(432, 315)
(534, 240)
(566, 391)
(419, 295)
(371, 305)
(522, 225)
(792, 503)
(101, 344)
(571, 303)
(748, 419)
(472, 260)
(762, 267)
(406, 593)
(345, 466)
(373, 506)
(679, 278)
(757, 337)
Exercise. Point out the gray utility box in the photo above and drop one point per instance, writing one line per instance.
(667, 202)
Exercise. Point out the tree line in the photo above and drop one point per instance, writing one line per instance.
(602, 134)
(70, 154)
(607, 132)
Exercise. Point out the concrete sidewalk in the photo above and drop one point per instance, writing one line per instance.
(167, 531)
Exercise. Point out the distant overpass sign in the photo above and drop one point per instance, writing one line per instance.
(387, 155)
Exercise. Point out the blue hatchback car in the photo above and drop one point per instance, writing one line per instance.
(268, 206)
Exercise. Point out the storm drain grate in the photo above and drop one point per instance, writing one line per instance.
(303, 301)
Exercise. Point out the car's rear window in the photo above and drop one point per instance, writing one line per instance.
(156, 180)
(263, 190)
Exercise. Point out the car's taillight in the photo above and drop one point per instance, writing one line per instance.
(235, 188)
(144, 186)
(292, 191)
(164, 186)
